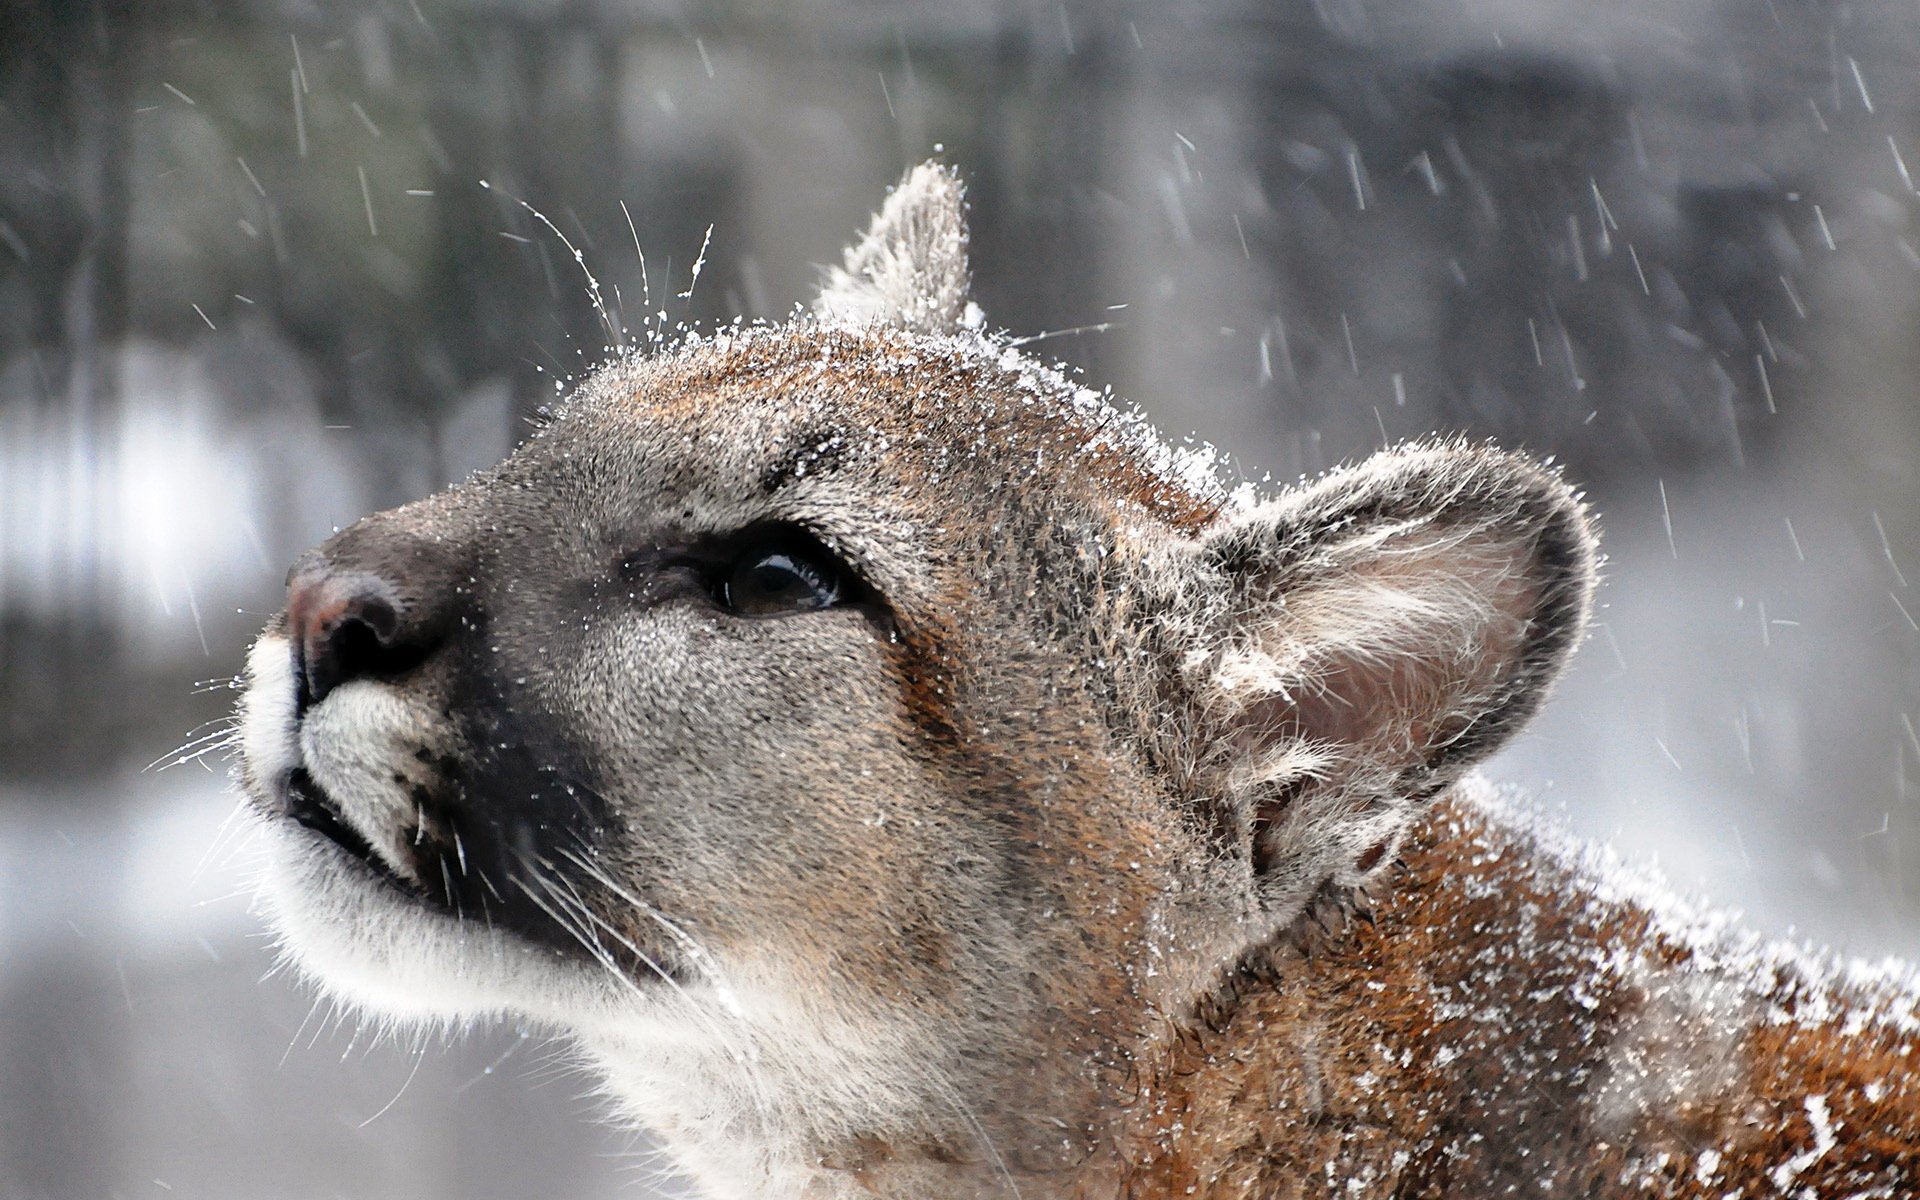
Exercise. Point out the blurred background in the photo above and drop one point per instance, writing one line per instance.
(252, 286)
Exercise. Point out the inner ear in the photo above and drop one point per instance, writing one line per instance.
(1399, 655)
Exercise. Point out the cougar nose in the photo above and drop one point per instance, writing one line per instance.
(347, 622)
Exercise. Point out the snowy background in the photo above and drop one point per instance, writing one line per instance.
(251, 288)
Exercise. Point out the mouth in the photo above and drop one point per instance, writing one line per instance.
(308, 804)
(452, 856)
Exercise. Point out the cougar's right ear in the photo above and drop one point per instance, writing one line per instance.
(1352, 647)
(909, 270)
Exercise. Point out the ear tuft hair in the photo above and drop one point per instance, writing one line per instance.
(910, 268)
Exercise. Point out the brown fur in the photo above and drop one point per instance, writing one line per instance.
(1453, 1043)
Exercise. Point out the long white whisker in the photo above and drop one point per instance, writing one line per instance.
(499, 1060)
(222, 683)
(614, 332)
(225, 841)
(590, 941)
(699, 953)
(742, 1051)
(213, 735)
(646, 287)
(699, 261)
(420, 1056)
(934, 1078)
(551, 884)
(312, 1011)
(579, 932)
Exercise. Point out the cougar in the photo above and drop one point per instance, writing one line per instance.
(901, 774)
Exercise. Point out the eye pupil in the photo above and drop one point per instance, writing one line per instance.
(787, 580)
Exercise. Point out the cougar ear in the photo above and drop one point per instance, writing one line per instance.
(1371, 637)
(910, 268)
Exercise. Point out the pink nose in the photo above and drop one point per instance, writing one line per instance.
(344, 626)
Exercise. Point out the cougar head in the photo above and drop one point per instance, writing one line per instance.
(863, 739)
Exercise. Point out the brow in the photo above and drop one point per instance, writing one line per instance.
(818, 451)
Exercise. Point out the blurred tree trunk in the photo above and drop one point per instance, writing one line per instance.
(68, 71)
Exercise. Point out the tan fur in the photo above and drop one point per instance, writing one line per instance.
(1115, 837)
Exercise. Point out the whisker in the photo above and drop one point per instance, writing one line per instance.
(420, 1056)
(549, 884)
(235, 825)
(312, 1011)
(588, 941)
(615, 335)
(704, 959)
(206, 738)
(946, 1091)
(742, 1052)
(498, 1061)
(699, 953)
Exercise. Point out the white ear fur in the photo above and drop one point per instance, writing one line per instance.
(910, 268)
(1371, 637)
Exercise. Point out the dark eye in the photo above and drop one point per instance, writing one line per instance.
(788, 577)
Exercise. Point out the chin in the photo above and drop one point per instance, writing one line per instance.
(369, 944)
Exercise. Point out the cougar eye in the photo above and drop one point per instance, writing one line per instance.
(790, 576)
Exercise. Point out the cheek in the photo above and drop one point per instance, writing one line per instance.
(761, 778)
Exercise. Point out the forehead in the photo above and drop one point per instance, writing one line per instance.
(771, 416)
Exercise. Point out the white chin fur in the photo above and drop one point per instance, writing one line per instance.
(668, 1050)
(387, 953)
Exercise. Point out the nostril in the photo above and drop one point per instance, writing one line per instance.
(344, 627)
(375, 616)
(350, 647)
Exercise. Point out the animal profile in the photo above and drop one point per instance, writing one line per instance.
(901, 774)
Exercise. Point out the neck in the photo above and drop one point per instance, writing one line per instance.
(1500, 1017)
